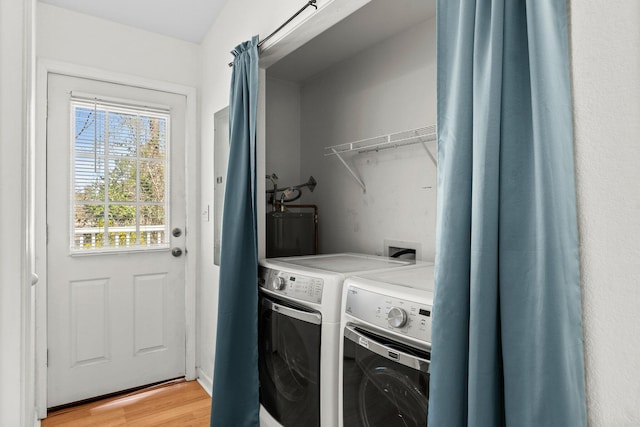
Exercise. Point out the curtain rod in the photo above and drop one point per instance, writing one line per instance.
(295, 15)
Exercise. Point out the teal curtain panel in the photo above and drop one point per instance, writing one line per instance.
(235, 382)
(507, 328)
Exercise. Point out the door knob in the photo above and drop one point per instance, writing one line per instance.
(176, 252)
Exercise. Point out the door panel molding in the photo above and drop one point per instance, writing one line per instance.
(149, 303)
(89, 321)
(44, 68)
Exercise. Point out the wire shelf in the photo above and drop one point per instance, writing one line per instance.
(422, 135)
(382, 142)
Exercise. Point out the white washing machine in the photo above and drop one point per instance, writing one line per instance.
(299, 334)
(385, 349)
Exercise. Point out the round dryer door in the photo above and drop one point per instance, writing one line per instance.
(289, 363)
(384, 383)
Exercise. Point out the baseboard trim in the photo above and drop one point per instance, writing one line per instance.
(205, 381)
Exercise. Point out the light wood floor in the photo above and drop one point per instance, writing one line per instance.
(179, 404)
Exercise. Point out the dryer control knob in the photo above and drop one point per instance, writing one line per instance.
(278, 283)
(397, 317)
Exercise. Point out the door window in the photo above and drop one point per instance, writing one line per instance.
(119, 177)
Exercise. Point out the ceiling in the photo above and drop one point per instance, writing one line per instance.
(190, 20)
(187, 20)
(368, 26)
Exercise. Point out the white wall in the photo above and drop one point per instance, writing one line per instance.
(81, 39)
(283, 132)
(384, 89)
(16, 262)
(606, 83)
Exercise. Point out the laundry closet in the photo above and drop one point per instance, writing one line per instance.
(369, 80)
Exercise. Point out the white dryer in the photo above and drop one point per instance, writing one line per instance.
(385, 349)
(299, 334)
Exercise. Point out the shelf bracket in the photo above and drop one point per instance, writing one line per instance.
(431, 156)
(351, 171)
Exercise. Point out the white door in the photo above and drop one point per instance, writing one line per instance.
(115, 210)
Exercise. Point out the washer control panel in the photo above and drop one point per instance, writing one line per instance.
(296, 286)
(399, 315)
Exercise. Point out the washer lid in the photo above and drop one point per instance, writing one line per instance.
(345, 263)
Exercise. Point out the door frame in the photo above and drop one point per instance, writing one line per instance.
(44, 68)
